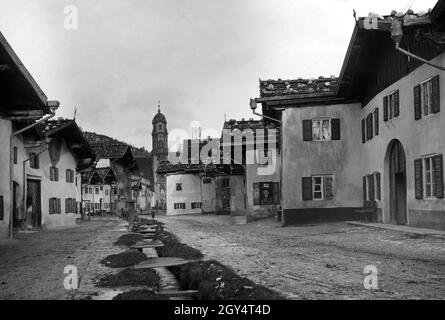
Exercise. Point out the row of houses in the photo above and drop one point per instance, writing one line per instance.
(368, 141)
(51, 172)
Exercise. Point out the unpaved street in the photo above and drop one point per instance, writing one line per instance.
(320, 261)
(32, 264)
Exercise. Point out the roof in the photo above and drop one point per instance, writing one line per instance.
(159, 117)
(165, 167)
(109, 148)
(18, 89)
(322, 85)
(248, 124)
(73, 136)
(359, 63)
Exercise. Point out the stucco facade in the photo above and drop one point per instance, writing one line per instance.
(182, 191)
(5, 192)
(418, 138)
(340, 158)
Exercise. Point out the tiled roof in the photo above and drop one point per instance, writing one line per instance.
(110, 151)
(323, 85)
(247, 124)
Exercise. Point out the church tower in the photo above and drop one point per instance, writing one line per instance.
(159, 137)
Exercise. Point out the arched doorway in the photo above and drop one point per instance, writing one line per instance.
(397, 183)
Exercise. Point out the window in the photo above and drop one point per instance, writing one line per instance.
(53, 174)
(321, 130)
(106, 192)
(69, 176)
(55, 206)
(326, 129)
(318, 187)
(34, 160)
(96, 190)
(428, 174)
(226, 204)
(90, 190)
(101, 188)
(2, 212)
(179, 187)
(371, 187)
(115, 191)
(225, 183)
(391, 108)
(15, 155)
(76, 181)
(70, 205)
(427, 98)
(179, 206)
(86, 190)
(266, 193)
(196, 205)
(428, 177)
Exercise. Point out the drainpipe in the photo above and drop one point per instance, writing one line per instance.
(253, 106)
(397, 34)
(53, 105)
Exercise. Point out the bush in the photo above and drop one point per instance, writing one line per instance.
(124, 259)
(131, 277)
(173, 248)
(129, 239)
(215, 281)
(138, 295)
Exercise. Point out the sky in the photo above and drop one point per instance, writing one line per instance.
(201, 58)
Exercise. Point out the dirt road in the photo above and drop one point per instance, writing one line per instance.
(324, 261)
(32, 264)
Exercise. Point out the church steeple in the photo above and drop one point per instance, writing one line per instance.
(160, 134)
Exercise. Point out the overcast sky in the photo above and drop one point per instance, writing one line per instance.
(201, 58)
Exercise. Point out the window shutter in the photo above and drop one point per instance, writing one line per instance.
(438, 176)
(396, 104)
(307, 130)
(2, 213)
(329, 194)
(256, 194)
(376, 121)
(51, 208)
(363, 131)
(418, 179)
(369, 126)
(417, 103)
(276, 193)
(378, 190)
(371, 187)
(56, 174)
(435, 103)
(67, 174)
(385, 108)
(67, 204)
(335, 129)
(37, 166)
(306, 188)
(59, 206)
(364, 189)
